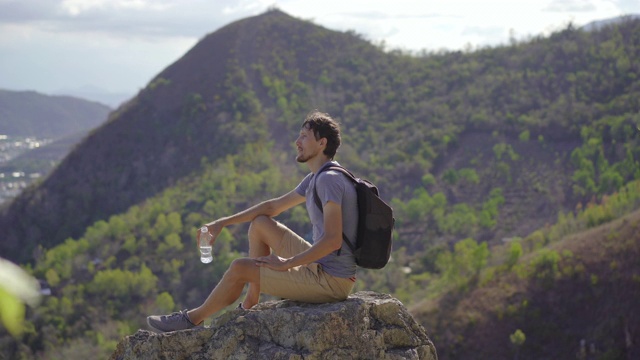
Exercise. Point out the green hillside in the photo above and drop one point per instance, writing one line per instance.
(576, 281)
(519, 145)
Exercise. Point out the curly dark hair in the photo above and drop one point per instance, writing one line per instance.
(323, 126)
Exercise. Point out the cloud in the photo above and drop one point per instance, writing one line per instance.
(627, 6)
(378, 15)
(570, 6)
(486, 31)
(16, 11)
(117, 45)
(125, 18)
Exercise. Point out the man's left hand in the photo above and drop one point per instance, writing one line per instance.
(273, 262)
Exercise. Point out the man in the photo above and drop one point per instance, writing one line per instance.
(280, 262)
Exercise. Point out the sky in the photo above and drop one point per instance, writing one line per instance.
(108, 50)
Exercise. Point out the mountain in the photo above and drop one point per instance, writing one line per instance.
(112, 99)
(578, 296)
(28, 113)
(490, 159)
(599, 24)
(37, 132)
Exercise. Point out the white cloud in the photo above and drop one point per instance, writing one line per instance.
(246, 6)
(78, 7)
(138, 18)
(570, 5)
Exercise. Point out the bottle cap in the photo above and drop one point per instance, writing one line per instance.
(204, 229)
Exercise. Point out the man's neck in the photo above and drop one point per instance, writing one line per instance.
(316, 163)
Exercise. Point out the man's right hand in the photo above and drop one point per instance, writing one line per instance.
(214, 229)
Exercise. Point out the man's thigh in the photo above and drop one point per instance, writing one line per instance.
(290, 243)
(299, 283)
(307, 283)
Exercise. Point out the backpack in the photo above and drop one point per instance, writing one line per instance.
(372, 248)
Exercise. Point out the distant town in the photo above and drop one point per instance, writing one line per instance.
(14, 181)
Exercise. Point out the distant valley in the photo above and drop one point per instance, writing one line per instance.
(37, 131)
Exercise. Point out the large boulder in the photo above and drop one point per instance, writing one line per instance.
(367, 325)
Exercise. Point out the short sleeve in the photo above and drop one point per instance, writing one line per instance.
(330, 187)
(301, 189)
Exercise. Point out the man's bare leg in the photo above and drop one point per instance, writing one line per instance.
(264, 235)
(228, 290)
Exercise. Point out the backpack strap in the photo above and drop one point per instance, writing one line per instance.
(316, 198)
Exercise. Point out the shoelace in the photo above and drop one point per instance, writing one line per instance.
(175, 316)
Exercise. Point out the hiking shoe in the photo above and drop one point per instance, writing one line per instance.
(176, 321)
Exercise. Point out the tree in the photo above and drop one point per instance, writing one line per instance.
(517, 340)
(465, 263)
(515, 252)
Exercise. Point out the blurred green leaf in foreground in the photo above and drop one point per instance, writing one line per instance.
(16, 288)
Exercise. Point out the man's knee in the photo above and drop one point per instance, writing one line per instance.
(259, 224)
(243, 270)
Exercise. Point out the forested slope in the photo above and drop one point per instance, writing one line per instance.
(567, 291)
(514, 144)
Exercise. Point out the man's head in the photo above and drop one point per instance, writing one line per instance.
(323, 126)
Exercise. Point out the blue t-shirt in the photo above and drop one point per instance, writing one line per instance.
(333, 186)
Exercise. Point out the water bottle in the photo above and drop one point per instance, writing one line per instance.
(205, 246)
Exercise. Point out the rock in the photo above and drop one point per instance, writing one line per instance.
(367, 325)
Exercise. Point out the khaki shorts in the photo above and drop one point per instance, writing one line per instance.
(306, 283)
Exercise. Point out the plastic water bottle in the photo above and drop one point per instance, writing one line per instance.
(205, 246)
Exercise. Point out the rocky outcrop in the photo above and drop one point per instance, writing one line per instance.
(367, 325)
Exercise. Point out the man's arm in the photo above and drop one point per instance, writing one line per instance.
(269, 208)
(329, 242)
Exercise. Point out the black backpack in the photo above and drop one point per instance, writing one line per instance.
(375, 223)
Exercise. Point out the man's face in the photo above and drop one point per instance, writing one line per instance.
(307, 145)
